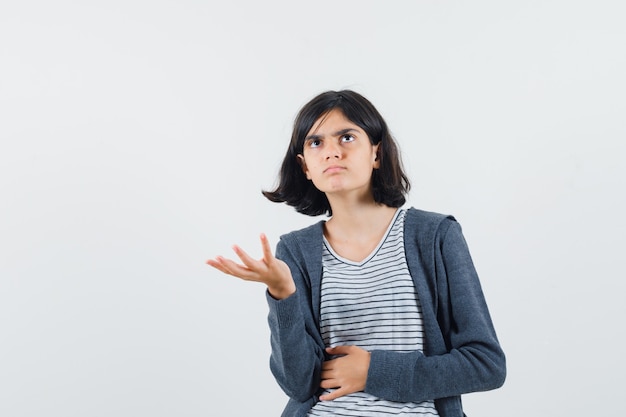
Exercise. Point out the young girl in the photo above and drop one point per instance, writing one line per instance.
(378, 310)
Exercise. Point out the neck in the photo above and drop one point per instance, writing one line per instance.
(358, 216)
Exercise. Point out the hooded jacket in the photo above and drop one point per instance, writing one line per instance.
(461, 350)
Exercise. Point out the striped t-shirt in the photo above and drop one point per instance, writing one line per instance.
(372, 304)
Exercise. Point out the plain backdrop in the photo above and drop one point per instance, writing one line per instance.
(136, 137)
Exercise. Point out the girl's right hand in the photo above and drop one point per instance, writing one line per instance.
(269, 270)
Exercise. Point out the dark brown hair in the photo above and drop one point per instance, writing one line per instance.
(389, 182)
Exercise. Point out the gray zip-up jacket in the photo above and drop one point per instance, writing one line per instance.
(461, 351)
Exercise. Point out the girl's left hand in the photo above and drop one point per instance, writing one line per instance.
(347, 373)
(269, 270)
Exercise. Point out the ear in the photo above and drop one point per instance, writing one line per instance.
(376, 162)
(302, 163)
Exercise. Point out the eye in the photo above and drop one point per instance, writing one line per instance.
(314, 143)
(347, 138)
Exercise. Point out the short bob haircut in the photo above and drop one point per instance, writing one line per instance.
(389, 182)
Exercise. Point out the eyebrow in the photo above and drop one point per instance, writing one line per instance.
(337, 133)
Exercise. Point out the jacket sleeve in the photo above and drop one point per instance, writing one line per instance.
(472, 360)
(297, 356)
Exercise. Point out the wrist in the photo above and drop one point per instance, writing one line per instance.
(281, 292)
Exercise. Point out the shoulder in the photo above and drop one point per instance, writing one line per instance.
(302, 250)
(422, 220)
(428, 231)
(308, 233)
(303, 241)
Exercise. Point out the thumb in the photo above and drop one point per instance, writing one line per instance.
(339, 392)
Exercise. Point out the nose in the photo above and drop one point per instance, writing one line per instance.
(333, 150)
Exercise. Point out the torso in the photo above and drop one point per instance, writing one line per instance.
(373, 304)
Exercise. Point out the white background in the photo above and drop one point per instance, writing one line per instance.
(136, 137)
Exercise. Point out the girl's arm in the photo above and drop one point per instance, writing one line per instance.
(297, 354)
(297, 348)
(474, 360)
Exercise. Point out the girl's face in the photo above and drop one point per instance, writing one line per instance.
(338, 156)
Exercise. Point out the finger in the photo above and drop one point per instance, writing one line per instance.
(223, 265)
(217, 265)
(234, 269)
(247, 260)
(213, 263)
(267, 250)
(329, 383)
(339, 392)
(327, 374)
(339, 350)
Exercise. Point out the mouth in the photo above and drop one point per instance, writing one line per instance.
(333, 168)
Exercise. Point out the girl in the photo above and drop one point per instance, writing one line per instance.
(379, 309)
